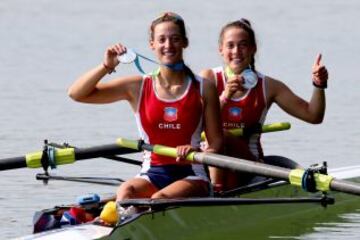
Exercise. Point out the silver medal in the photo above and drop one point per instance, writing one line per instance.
(128, 57)
(250, 78)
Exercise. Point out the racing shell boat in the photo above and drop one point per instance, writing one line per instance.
(265, 208)
(275, 205)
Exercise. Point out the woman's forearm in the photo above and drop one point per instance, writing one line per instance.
(86, 83)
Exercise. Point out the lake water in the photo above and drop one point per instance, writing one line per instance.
(45, 45)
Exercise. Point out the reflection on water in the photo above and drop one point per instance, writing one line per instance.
(348, 227)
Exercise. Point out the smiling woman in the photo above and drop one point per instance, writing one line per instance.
(171, 106)
(246, 95)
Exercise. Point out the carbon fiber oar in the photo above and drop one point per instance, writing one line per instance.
(69, 155)
(293, 176)
(57, 156)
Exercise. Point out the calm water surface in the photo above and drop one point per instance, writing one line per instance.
(45, 45)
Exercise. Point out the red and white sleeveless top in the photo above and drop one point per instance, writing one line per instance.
(171, 122)
(246, 111)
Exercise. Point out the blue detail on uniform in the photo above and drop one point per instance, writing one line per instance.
(235, 111)
(170, 114)
(162, 176)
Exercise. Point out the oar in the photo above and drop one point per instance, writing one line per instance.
(70, 155)
(94, 180)
(272, 127)
(111, 157)
(294, 176)
(61, 156)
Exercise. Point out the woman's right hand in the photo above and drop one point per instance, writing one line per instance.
(182, 151)
(111, 55)
(233, 84)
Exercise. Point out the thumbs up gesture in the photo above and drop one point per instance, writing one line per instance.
(319, 73)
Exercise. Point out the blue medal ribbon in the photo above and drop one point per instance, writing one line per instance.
(179, 66)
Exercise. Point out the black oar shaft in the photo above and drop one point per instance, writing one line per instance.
(101, 151)
(12, 163)
(110, 149)
(79, 154)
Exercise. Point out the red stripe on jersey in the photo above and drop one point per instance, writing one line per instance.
(219, 82)
(170, 122)
(246, 111)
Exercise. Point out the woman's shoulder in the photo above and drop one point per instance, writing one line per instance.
(207, 85)
(273, 82)
(275, 87)
(212, 71)
(129, 78)
(203, 79)
(129, 83)
(209, 73)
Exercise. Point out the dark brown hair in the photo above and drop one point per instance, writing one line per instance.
(245, 25)
(170, 17)
(179, 21)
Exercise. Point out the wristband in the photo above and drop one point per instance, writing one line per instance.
(110, 70)
(320, 86)
(223, 98)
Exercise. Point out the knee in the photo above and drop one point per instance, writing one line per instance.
(126, 187)
(125, 191)
(159, 195)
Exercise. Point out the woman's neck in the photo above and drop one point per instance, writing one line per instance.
(168, 77)
(170, 84)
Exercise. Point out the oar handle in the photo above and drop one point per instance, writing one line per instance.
(157, 148)
(272, 127)
(323, 182)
